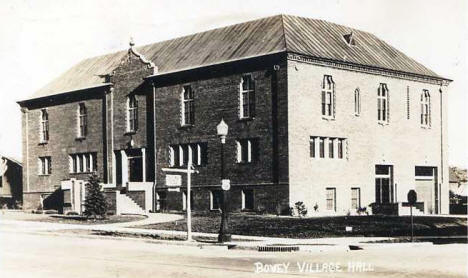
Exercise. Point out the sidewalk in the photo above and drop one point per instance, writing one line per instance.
(128, 229)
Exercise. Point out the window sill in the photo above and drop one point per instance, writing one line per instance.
(186, 126)
(246, 119)
(326, 118)
(131, 132)
(425, 127)
(245, 163)
(80, 138)
(43, 143)
(43, 175)
(383, 123)
(357, 115)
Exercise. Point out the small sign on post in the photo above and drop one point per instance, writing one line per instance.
(412, 198)
(225, 184)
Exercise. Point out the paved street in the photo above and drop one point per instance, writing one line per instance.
(25, 253)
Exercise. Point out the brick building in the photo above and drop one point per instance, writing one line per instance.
(317, 112)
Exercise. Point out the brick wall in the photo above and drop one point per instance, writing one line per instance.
(402, 143)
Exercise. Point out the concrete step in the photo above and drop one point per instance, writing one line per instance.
(125, 205)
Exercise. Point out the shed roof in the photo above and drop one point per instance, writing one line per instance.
(280, 33)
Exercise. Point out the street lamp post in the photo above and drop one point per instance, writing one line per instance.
(224, 235)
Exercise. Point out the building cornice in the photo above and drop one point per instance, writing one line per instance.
(367, 69)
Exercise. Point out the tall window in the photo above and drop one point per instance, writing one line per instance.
(82, 121)
(355, 198)
(425, 108)
(247, 199)
(328, 97)
(247, 150)
(322, 147)
(357, 102)
(45, 167)
(188, 112)
(340, 147)
(132, 114)
(247, 97)
(331, 199)
(44, 126)
(382, 103)
(331, 149)
(313, 141)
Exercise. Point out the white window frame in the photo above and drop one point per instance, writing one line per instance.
(357, 102)
(184, 200)
(44, 165)
(358, 197)
(82, 120)
(425, 109)
(249, 94)
(383, 107)
(44, 126)
(249, 150)
(184, 103)
(83, 159)
(313, 146)
(332, 189)
(132, 111)
(328, 97)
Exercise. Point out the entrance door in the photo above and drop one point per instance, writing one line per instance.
(383, 184)
(427, 188)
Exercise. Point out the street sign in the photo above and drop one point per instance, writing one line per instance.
(225, 184)
(412, 197)
(173, 180)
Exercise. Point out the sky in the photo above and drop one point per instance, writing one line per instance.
(40, 39)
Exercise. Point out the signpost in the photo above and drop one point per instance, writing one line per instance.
(176, 181)
(412, 198)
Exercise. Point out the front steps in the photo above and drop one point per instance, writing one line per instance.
(125, 205)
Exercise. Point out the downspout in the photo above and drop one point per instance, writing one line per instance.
(441, 149)
(154, 147)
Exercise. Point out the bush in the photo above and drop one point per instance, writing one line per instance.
(301, 209)
(95, 202)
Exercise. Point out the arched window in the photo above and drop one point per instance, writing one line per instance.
(328, 97)
(383, 104)
(82, 121)
(357, 102)
(188, 111)
(425, 108)
(132, 114)
(44, 126)
(247, 97)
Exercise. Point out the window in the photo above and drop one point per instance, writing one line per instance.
(340, 148)
(247, 199)
(331, 199)
(247, 150)
(425, 108)
(184, 200)
(382, 104)
(132, 114)
(407, 103)
(45, 165)
(313, 141)
(216, 199)
(384, 184)
(196, 153)
(357, 102)
(188, 112)
(322, 147)
(44, 126)
(328, 97)
(82, 121)
(247, 97)
(83, 163)
(331, 149)
(355, 198)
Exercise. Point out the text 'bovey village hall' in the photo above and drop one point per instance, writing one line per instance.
(317, 112)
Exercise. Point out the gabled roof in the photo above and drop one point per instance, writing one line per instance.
(281, 33)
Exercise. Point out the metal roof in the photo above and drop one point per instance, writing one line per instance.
(281, 33)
